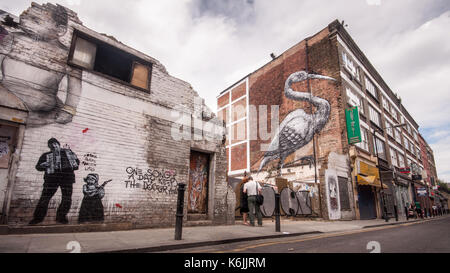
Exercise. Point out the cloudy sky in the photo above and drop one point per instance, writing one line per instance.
(213, 43)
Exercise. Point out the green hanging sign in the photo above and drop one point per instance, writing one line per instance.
(353, 129)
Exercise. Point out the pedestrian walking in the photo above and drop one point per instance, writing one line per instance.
(244, 202)
(252, 188)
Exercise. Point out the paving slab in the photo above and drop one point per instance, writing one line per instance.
(160, 239)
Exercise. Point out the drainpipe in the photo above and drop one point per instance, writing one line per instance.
(314, 135)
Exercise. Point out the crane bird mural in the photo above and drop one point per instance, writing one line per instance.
(298, 128)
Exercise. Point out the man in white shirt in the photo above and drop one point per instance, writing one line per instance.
(252, 188)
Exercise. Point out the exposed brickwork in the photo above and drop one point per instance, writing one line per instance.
(238, 92)
(238, 109)
(223, 100)
(127, 129)
(239, 155)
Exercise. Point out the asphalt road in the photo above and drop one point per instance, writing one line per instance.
(431, 236)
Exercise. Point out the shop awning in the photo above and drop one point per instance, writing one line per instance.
(370, 180)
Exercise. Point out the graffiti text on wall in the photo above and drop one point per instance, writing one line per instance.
(89, 161)
(161, 181)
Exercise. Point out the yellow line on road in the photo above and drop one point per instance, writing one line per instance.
(319, 237)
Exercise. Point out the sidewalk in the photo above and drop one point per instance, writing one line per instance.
(161, 239)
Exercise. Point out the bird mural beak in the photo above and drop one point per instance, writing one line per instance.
(317, 76)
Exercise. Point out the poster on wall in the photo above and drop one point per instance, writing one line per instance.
(7, 134)
(332, 194)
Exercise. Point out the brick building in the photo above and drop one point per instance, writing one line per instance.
(116, 113)
(288, 119)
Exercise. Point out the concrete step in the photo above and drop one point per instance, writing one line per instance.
(198, 223)
(3, 229)
(68, 228)
(197, 217)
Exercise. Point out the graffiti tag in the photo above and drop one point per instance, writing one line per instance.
(89, 161)
(163, 181)
(4, 149)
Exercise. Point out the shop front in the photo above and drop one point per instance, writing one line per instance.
(402, 194)
(389, 193)
(368, 187)
(422, 197)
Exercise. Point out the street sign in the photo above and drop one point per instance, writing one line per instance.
(417, 177)
(421, 191)
(405, 170)
(353, 129)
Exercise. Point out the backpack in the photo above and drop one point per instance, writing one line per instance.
(259, 197)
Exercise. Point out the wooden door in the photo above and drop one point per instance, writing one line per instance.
(198, 183)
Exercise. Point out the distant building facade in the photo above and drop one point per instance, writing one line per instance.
(288, 119)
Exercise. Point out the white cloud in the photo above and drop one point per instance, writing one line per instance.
(406, 40)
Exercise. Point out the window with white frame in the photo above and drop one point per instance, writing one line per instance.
(393, 112)
(393, 157)
(370, 87)
(379, 148)
(398, 135)
(386, 104)
(374, 116)
(389, 128)
(415, 136)
(354, 100)
(418, 154)
(401, 161)
(406, 143)
(408, 161)
(364, 144)
(350, 65)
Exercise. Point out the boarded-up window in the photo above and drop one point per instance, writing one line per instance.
(84, 53)
(140, 75)
(343, 193)
(98, 56)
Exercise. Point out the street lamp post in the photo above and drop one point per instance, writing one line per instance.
(385, 214)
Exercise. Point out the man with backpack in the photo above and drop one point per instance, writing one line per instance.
(252, 188)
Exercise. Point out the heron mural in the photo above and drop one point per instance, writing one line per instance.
(298, 128)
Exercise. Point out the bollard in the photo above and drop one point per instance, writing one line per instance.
(396, 213)
(385, 213)
(179, 215)
(277, 212)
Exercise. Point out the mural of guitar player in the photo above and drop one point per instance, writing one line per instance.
(91, 207)
(26, 77)
(59, 165)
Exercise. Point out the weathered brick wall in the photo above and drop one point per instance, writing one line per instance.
(267, 88)
(324, 60)
(121, 133)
